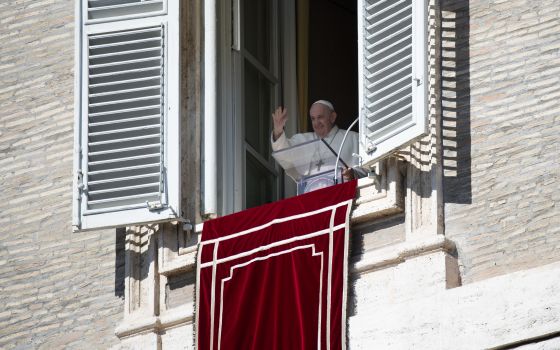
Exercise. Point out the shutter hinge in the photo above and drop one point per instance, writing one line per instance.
(155, 205)
(418, 81)
(81, 186)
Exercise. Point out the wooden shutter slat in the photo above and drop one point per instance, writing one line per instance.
(114, 170)
(128, 100)
(370, 87)
(124, 5)
(111, 10)
(124, 130)
(130, 199)
(120, 34)
(122, 82)
(125, 178)
(388, 116)
(392, 94)
(118, 150)
(384, 108)
(387, 68)
(123, 91)
(110, 161)
(140, 70)
(126, 188)
(391, 85)
(135, 138)
(101, 2)
(124, 120)
(392, 55)
(125, 155)
(122, 43)
(391, 16)
(390, 46)
(370, 14)
(388, 37)
(118, 63)
(389, 130)
(126, 110)
(124, 53)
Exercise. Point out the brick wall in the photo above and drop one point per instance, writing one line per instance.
(501, 120)
(55, 287)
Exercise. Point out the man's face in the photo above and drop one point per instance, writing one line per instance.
(322, 119)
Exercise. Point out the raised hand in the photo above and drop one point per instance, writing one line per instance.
(279, 118)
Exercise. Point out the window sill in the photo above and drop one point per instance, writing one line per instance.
(171, 318)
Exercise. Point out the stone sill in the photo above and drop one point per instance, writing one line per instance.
(399, 253)
(180, 315)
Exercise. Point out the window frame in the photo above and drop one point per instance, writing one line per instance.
(233, 149)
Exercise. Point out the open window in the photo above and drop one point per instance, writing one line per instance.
(366, 56)
(126, 148)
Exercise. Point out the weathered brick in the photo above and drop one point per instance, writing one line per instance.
(38, 256)
(504, 136)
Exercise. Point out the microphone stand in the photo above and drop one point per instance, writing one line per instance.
(340, 149)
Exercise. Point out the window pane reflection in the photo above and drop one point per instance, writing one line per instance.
(259, 184)
(257, 29)
(257, 110)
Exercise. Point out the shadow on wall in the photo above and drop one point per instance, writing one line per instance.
(120, 238)
(456, 101)
(370, 236)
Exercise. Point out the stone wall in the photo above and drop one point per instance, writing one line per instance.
(56, 287)
(501, 128)
(500, 110)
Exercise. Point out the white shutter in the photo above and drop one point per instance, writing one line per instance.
(127, 158)
(104, 10)
(392, 75)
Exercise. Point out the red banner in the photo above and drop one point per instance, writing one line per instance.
(275, 276)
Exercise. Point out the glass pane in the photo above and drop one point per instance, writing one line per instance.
(256, 29)
(260, 186)
(258, 110)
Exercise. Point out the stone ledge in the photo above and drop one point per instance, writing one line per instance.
(496, 313)
(137, 326)
(182, 260)
(374, 201)
(180, 263)
(180, 315)
(400, 252)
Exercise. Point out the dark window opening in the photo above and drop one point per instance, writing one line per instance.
(333, 57)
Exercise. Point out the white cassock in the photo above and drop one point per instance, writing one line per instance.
(334, 140)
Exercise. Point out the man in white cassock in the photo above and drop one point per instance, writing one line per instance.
(323, 117)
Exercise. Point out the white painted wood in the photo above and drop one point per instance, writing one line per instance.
(130, 206)
(390, 129)
(210, 140)
(99, 11)
(76, 173)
